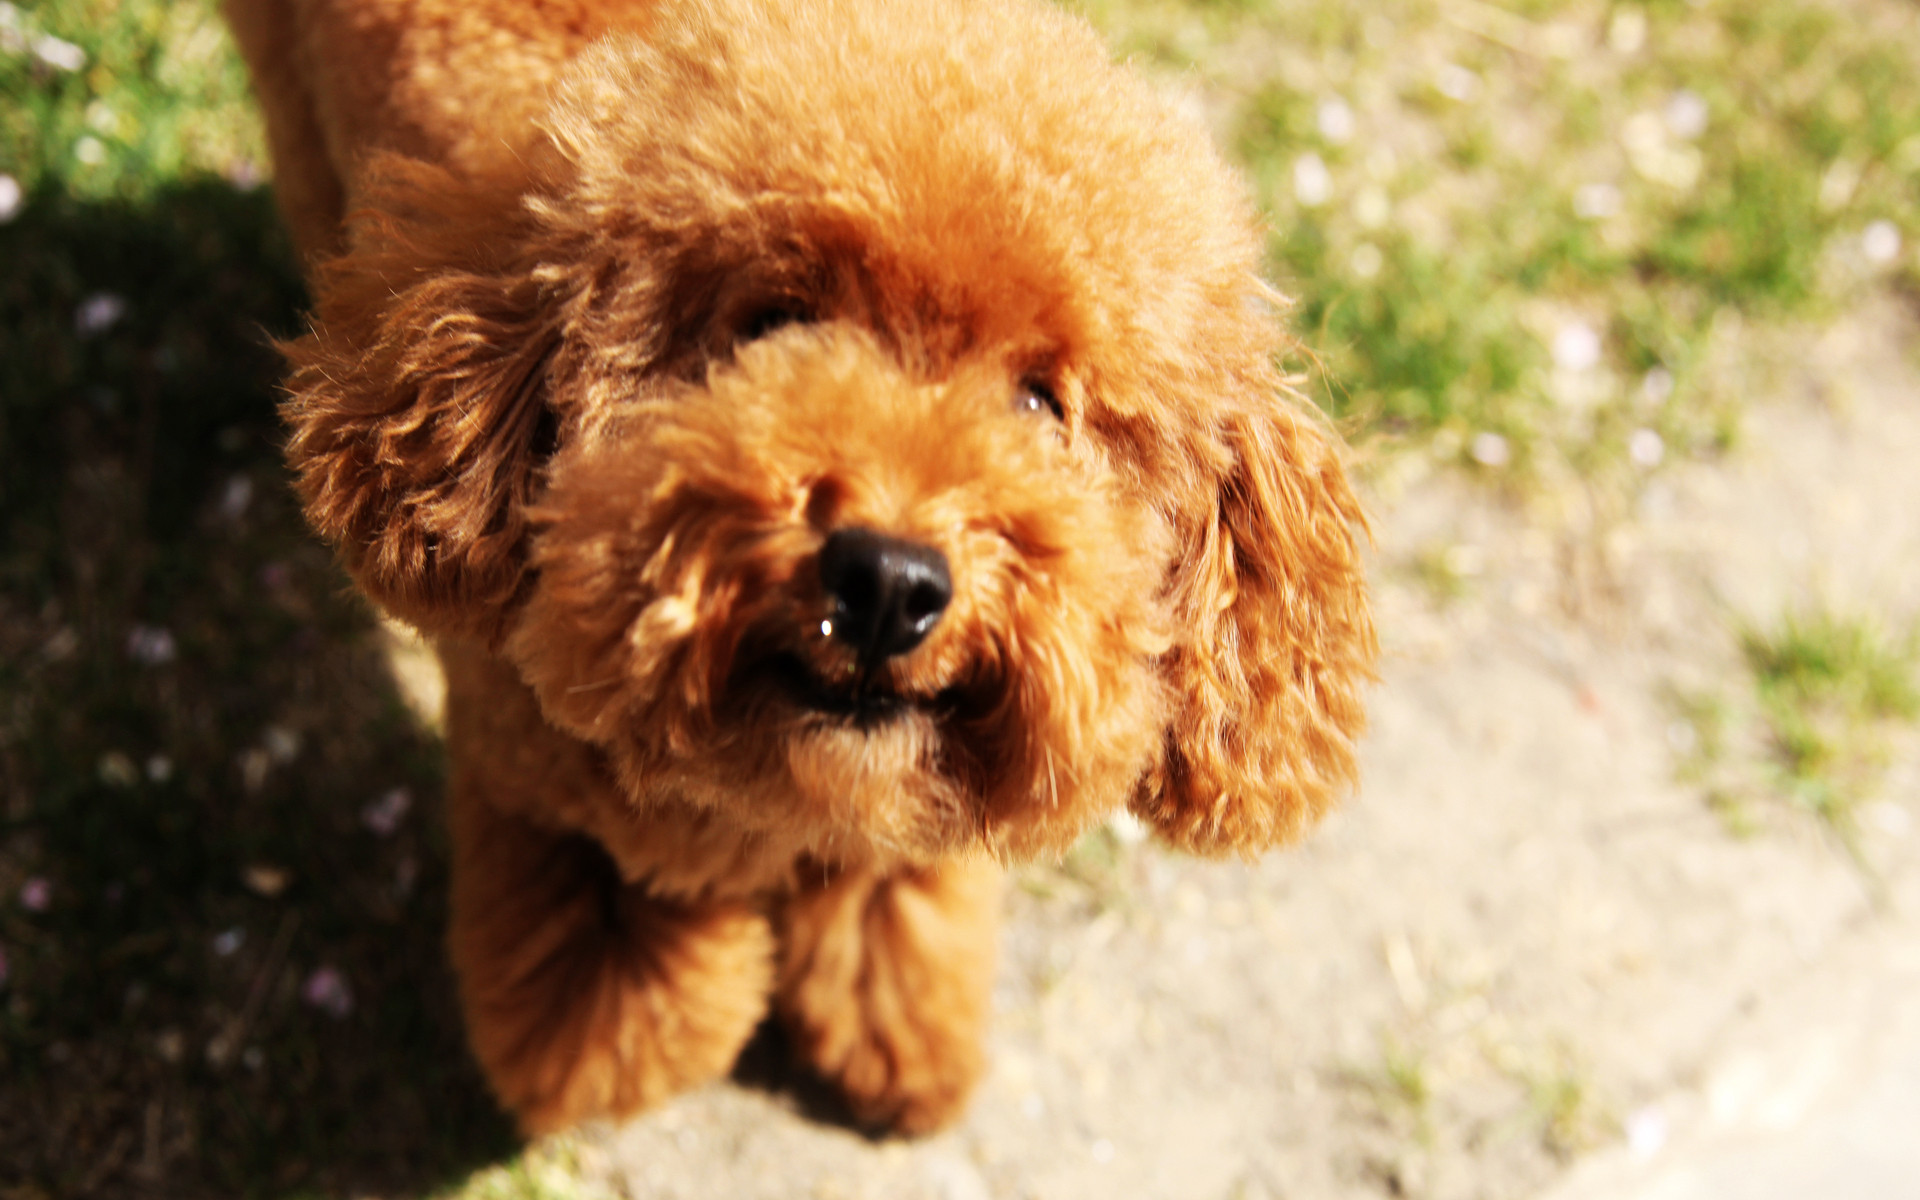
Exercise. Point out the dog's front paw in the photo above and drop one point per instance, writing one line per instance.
(884, 981)
(585, 997)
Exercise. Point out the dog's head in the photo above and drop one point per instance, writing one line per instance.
(861, 420)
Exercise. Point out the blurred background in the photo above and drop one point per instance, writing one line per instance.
(1618, 304)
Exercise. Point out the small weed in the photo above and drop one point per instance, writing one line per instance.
(1570, 1120)
(546, 1171)
(1826, 691)
(1406, 1078)
(1558, 1103)
(1828, 687)
(1699, 733)
(1843, 664)
(1399, 1087)
(1446, 572)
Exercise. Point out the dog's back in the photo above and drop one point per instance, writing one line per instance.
(449, 81)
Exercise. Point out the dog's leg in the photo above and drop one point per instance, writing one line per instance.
(884, 980)
(584, 996)
(309, 192)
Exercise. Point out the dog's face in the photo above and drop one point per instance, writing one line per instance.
(860, 420)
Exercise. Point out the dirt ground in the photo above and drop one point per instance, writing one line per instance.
(1525, 954)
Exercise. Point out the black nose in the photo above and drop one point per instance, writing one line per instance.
(887, 594)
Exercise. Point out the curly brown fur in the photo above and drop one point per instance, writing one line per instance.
(639, 305)
(884, 979)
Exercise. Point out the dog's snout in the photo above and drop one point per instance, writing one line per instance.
(887, 593)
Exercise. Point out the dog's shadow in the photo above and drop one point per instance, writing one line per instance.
(222, 872)
(222, 882)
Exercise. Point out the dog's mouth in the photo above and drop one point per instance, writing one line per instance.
(864, 699)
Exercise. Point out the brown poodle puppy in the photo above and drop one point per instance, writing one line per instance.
(836, 447)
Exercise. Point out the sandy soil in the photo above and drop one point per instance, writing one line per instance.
(1522, 950)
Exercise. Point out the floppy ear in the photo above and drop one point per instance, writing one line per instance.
(417, 400)
(1277, 644)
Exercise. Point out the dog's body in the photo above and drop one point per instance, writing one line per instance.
(836, 447)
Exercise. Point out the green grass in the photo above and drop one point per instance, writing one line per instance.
(1828, 688)
(160, 96)
(1828, 661)
(1635, 171)
(1826, 692)
(548, 1171)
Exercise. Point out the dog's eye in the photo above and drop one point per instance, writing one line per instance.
(546, 433)
(1038, 399)
(770, 318)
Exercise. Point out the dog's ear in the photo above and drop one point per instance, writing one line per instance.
(416, 403)
(1276, 642)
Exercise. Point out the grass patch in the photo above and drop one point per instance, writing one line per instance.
(1570, 1119)
(1416, 340)
(1829, 686)
(1525, 220)
(107, 99)
(1827, 691)
(549, 1170)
